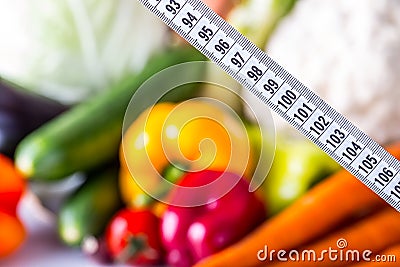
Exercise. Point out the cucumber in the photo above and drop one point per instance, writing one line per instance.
(89, 134)
(87, 211)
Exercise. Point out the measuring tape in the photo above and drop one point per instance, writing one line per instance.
(278, 89)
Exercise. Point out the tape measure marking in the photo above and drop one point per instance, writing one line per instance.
(278, 89)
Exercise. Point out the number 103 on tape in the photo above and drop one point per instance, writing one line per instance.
(283, 93)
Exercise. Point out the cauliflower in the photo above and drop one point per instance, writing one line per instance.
(348, 52)
(71, 49)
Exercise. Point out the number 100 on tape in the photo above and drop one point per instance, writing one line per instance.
(280, 91)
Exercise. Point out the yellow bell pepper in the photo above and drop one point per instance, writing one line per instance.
(192, 136)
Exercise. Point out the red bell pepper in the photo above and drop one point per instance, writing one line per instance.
(190, 234)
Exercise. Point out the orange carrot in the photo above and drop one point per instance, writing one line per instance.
(377, 232)
(389, 257)
(319, 211)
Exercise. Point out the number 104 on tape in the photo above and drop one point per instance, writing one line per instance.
(283, 93)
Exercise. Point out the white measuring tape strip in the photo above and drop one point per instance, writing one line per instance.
(278, 89)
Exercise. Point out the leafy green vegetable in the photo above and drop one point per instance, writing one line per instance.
(70, 49)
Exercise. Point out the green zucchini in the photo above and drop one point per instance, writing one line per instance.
(88, 135)
(87, 211)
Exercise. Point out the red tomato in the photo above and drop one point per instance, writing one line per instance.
(12, 185)
(12, 233)
(133, 237)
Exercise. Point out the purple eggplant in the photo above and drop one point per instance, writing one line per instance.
(22, 112)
